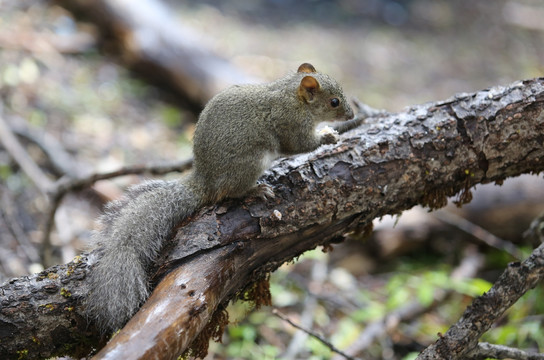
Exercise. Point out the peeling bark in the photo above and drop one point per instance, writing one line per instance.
(387, 165)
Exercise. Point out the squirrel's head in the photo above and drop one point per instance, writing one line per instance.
(323, 95)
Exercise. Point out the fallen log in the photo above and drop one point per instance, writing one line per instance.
(389, 164)
(157, 45)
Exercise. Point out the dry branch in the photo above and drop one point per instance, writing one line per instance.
(468, 268)
(285, 318)
(490, 351)
(463, 337)
(389, 164)
(19, 154)
(153, 41)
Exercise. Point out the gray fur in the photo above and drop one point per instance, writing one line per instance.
(132, 233)
(237, 134)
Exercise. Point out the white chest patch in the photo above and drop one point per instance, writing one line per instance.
(267, 159)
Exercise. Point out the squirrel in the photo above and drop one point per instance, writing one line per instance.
(238, 134)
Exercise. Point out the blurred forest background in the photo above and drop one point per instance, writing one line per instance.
(66, 84)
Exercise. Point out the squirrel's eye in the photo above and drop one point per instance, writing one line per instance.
(335, 102)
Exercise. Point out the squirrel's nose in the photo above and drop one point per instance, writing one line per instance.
(349, 113)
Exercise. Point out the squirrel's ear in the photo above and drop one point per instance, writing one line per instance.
(308, 87)
(307, 68)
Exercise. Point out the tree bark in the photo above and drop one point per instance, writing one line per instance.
(387, 165)
(41, 315)
(463, 337)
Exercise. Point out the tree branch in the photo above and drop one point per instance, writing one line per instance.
(376, 329)
(485, 351)
(387, 165)
(327, 343)
(157, 45)
(27, 164)
(463, 337)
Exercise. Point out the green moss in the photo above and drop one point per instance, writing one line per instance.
(22, 354)
(65, 292)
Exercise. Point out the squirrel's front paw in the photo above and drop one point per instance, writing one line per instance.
(263, 191)
(328, 135)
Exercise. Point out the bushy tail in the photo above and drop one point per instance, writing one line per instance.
(132, 233)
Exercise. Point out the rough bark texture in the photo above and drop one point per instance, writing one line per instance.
(41, 317)
(418, 157)
(461, 338)
(383, 167)
(386, 166)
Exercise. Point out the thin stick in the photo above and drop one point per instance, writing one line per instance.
(517, 279)
(468, 268)
(479, 233)
(284, 317)
(65, 185)
(18, 153)
(486, 350)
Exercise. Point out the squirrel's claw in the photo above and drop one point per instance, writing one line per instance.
(262, 191)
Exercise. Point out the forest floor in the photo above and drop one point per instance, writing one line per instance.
(59, 78)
